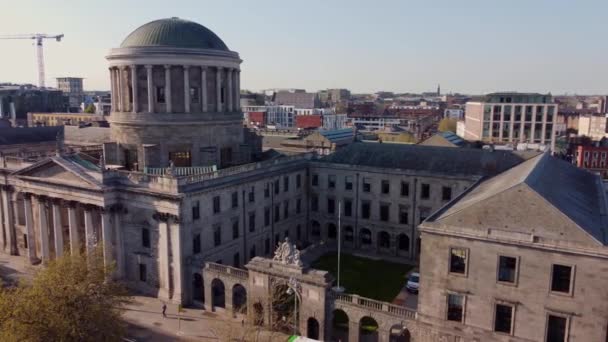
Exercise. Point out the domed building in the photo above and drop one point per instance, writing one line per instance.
(175, 98)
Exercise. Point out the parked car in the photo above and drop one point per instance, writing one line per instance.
(413, 282)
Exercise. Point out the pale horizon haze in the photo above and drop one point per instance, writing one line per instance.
(466, 46)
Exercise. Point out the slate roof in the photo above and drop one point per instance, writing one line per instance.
(435, 159)
(453, 138)
(338, 136)
(29, 135)
(174, 32)
(299, 100)
(576, 193)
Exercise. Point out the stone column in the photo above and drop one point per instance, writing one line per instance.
(163, 255)
(57, 228)
(119, 247)
(135, 107)
(73, 227)
(9, 220)
(237, 81)
(229, 89)
(177, 254)
(112, 89)
(168, 88)
(44, 230)
(186, 89)
(119, 89)
(29, 226)
(106, 236)
(89, 231)
(218, 89)
(353, 330)
(204, 88)
(150, 88)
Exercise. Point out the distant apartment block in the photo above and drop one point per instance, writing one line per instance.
(511, 117)
(593, 126)
(592, 158)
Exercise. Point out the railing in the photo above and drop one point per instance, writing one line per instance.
(228, 270)
(179, 171)
(376, 305)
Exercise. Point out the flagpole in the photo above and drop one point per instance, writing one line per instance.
(339, 288)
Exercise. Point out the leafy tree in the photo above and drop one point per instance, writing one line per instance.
(447, 124)
(90, 109)
(73, 299)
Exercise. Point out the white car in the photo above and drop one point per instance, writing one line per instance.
(413, 282)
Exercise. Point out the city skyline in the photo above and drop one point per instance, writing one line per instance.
(402, 47)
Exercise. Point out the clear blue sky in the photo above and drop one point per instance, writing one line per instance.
(467, 46)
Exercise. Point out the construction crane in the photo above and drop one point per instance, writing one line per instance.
(38, 37)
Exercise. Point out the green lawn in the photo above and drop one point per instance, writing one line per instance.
(377, 279)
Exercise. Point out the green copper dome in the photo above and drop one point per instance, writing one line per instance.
(174, 32)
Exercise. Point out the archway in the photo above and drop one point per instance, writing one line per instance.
(384, 240)
(283, 309)
(366, 237)
(218, 294)
(239, 299)
(348, 234)
(315, 229)
(339, 326)
(198, 292)
(332, 232)
(368, 330)
(404, 243)
(312, 328)
(399, 333)
(258, 314)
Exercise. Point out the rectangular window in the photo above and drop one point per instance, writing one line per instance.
(556, 328)
(196, 244)
(386, 189)
(285, 183)
(277, 213)
(145, 238)
(196, 210)
(194, 98)
(365, 210)
(285, 209)
(561, 278)
(314, 203)
(143, 273)
(425, 192)
(298, 181)
(348, 183)
(458, 260)
(331, 181)
(216, 204)
(331, 206)
(348, 208)
(276, 186)
(252, 194)
(446, 193)
(503, 318)
(266, 217)
(24, 240)
(298, 205)
(455, 307)
(405, 189)
(235, 199)
(403, 216)
(315, 179)
(367, 185)
(507, 269)
(235, 229)
(217, 236)
(160, 94)
(252, 221)
(384, 212)
(267, 190)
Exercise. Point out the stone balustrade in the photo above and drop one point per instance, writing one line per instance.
(227, 270)
(374, 305)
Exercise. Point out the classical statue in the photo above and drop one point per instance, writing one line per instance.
(287, 254)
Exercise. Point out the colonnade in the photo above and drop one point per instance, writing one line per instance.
(125, 97)
(44, 227)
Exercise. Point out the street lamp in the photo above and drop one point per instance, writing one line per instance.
(293, 287)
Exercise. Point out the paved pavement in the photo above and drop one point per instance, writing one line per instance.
(406, 298)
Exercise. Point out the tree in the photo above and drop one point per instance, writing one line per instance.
(90, 109)
(73, 299)
(447, 124)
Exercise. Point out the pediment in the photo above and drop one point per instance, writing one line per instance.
(53, 171)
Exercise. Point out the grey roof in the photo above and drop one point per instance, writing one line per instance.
(338, 135)
(436, 159)
(453, 138)
(29, 135)
(299, 100)
(174, 32)
(577, 193)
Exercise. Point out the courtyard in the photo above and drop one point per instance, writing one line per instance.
(372, 278)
